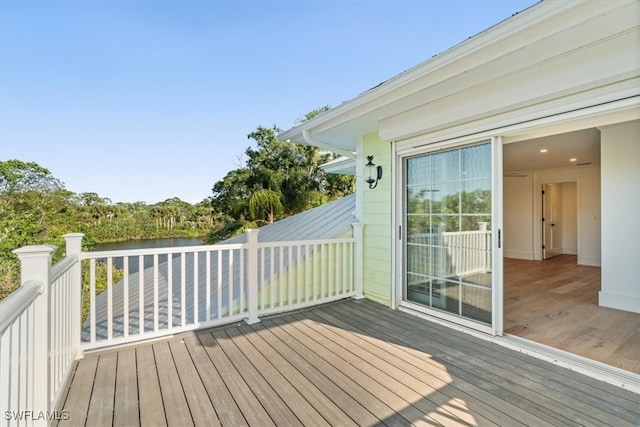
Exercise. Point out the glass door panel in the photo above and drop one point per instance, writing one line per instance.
(447, 249)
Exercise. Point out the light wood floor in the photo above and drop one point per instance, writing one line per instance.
(344, 364)
(555, 302)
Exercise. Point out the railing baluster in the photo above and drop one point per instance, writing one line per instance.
(208, 284)
(125, 300)
(230, 283)
(281, 276)
(219, 293)
(156, 320)
(109, 299)
(263, 279)
(299, 272)
(195, 288)
(290, 283)
(183, 289)
(241, 281)
(170, 291)
(141, 294)
(272, 284)
(307, 273)
(92, 298)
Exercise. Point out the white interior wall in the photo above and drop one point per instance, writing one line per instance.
(518, 217)
(522, 210)
(569, 218)
(620, 158)
(587, 180)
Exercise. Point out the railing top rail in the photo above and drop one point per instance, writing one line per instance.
(160, 251)
(15, 304)
(61, 267)
(205, 248)
(451, 233)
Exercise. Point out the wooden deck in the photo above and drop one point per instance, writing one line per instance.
(347, 363)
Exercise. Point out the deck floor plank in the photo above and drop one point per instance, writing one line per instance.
(126, 399)
(252, 409)
(388, 386)
(173, 397)
(200, 405)
(303, 410)
(272, 402)
(326, 408)
(103, 393)
(391, 407)
(354, 410)
(79, 396)
(225, 406)
(152, 410)
(346, 363)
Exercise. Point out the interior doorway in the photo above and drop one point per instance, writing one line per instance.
(559, 219)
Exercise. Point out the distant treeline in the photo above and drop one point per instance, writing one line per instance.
(278, 179)
(36, 208)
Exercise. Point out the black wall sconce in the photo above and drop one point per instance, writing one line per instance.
(373, 182)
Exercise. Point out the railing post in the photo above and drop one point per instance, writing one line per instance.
(358, 260)
(252, 276)
(74, 248)
(35, 264)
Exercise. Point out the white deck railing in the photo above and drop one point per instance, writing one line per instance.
(451, 254)
(141, 294)
(164, 291)
(39, 333)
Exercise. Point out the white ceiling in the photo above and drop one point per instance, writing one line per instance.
(583, 145)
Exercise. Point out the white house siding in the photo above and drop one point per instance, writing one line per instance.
(376, 214)
(620, 158)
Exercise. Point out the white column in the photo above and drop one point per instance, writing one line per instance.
(35, 264)
(252, 276)
(74, 248)
(358, 260)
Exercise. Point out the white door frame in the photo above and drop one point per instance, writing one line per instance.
(399, 155)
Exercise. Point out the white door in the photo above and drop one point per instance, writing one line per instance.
(551, 217)
(451, 232)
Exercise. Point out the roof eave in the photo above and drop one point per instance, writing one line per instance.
(418, 77)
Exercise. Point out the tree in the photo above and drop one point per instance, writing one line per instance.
(265, 204)
(278, 179)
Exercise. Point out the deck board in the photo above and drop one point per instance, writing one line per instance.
(101, 408)
(126, 398)
(152, 411)
(346, 363)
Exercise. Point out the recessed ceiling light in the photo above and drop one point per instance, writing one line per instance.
(543, 150)
(573, 159)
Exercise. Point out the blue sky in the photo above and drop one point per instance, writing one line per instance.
(143, 100)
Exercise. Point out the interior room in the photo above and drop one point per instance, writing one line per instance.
(552, 248)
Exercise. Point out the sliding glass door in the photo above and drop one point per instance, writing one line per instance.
(449, 232)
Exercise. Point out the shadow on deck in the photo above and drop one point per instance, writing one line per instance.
(347, 363)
